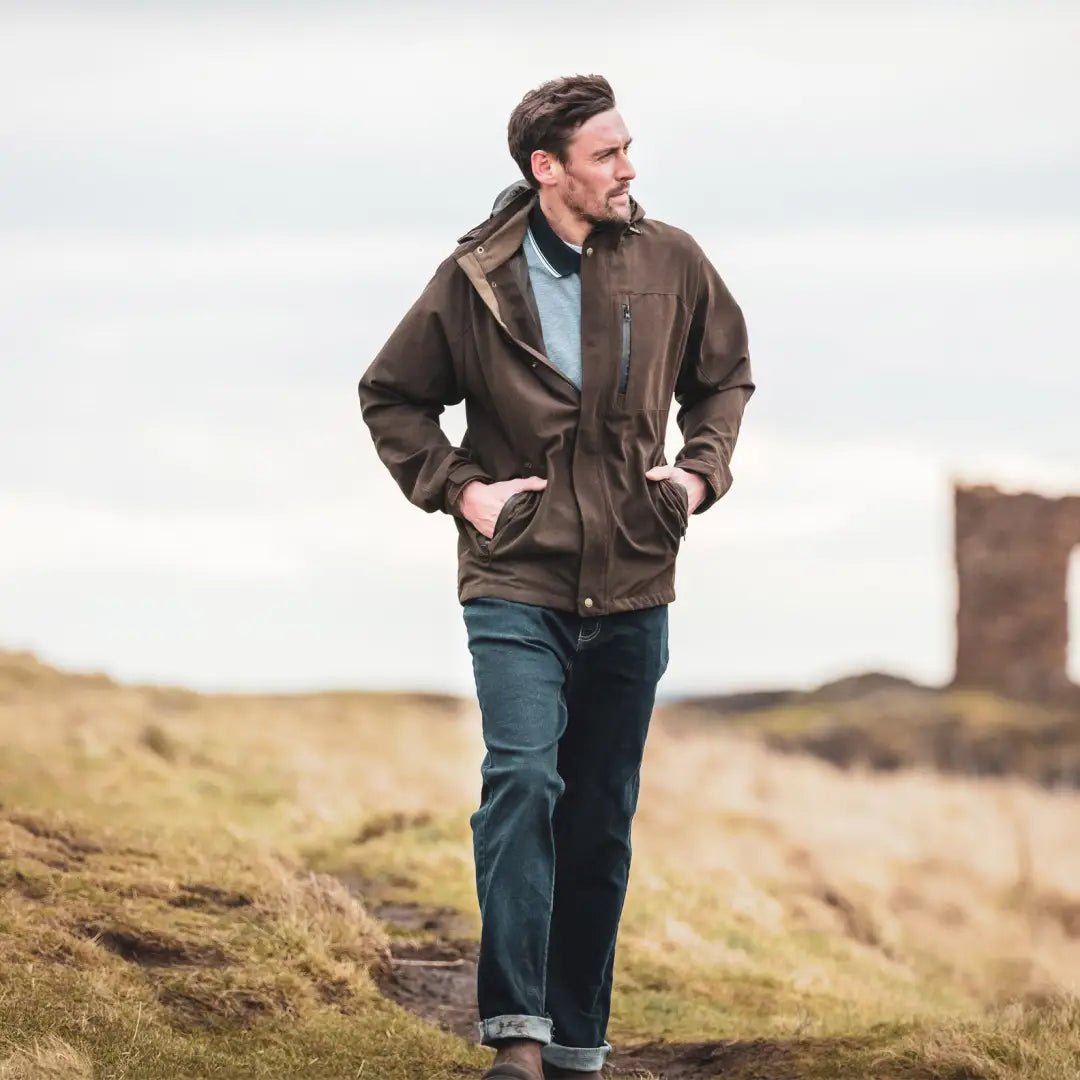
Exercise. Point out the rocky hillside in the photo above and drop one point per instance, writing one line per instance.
(884, 722)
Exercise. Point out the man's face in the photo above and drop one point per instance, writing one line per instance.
(594, 182)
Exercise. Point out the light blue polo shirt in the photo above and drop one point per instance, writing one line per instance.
(555, 275)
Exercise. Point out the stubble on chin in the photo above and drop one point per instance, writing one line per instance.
(610, 222)
(597, 217)
(611, 215)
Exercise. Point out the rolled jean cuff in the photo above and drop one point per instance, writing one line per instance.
(577, 1058)
(512, 1026)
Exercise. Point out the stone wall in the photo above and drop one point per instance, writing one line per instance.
(1012, 560)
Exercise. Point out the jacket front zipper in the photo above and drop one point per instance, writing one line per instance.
(624, 367)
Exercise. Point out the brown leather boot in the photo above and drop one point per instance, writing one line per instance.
(553, 1072)
(516, 1059)
(509, 1071)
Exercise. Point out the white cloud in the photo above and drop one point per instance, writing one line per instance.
(324, 68)
(60, 257)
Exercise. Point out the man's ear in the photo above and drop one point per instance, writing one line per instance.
(545, 167)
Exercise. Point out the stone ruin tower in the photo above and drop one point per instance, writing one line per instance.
(1012, 564)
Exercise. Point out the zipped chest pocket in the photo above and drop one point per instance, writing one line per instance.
(624, 355)
(649, 332)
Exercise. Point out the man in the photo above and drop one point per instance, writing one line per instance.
(567, 322)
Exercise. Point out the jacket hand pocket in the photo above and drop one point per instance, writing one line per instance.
(482, 544)
(475, 538)
(517, 508)
(505, 512)
(676, 502)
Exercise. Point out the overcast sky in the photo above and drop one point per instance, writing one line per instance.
(213, 214)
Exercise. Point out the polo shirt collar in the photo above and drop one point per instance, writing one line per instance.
(561, 259)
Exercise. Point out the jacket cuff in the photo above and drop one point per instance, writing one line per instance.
(717, 481)
(461, 476)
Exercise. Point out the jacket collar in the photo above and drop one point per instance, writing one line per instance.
(560, 257)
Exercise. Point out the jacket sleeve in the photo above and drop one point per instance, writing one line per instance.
(415, 375)
(714, 384)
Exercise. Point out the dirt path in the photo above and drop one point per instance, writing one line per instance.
(436, 980)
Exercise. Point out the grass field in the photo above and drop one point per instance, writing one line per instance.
(233, 886)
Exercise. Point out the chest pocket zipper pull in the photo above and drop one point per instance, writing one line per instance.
(624, 367)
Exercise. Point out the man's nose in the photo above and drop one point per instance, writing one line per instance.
(626, 170)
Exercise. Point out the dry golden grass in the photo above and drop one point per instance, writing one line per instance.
(160, 915)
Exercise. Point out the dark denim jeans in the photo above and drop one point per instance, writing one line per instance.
(566, 702)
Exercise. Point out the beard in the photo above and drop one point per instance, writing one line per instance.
(597, 212)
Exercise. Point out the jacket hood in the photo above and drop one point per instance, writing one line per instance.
(507, 195)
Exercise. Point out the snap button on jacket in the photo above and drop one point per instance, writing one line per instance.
(657, 325)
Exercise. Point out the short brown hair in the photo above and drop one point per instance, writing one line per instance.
(547, 117)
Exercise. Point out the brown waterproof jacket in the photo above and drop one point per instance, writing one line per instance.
(657, 323)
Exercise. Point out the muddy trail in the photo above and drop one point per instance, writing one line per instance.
(434, 977)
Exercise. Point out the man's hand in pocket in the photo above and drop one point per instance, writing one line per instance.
(695, 485)
(480, 503)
